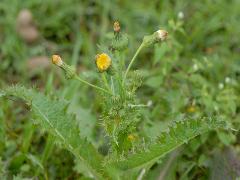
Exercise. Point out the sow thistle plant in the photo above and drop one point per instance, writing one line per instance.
(120, 108)
(129, 154)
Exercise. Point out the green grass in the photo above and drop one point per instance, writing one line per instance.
(194, 74)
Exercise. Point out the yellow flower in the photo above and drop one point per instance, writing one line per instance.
(57, 60)
(191, 109)
(103, 62)
(131, 137)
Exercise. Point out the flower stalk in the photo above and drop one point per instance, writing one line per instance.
(158, 36)
(132, 61)
(92, 85)
(70, 73)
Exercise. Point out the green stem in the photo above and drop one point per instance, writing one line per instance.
(47, 152)
(105, 81)
(92, 85)
(48, 148)
(121, 87)
(112, 85)
(28, 133)
(132, 61)
(122, 60)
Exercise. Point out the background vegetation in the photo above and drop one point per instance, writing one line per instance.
(194, 74)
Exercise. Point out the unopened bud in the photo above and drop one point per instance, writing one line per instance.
(116, 27)
(162, 35)
(69, 70)
(120, 40)
(158, 36)
(57, 60)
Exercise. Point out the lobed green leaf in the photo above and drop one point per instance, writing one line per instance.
(51, 115)
(178, 134)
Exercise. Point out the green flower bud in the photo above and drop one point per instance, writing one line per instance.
(120, 40)
(70, 71)
(158, 36)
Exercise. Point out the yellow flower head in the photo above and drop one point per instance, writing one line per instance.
(131, 137)
(103, 62)
(191, 109)
(57, 60)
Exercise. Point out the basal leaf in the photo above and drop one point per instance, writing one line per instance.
(51, 115)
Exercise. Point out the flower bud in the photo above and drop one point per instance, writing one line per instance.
(116, 27)
(69, 70)
(120, 40)
(56, 59)
(160, 35)
(103, 62)
(120, 43)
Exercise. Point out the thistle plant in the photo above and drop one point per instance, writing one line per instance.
(120, 106)
(129, 154)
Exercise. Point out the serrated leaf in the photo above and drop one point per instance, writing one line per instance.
(52, 116)
(177, 135)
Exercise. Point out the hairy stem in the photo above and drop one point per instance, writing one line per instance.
(105, 82)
